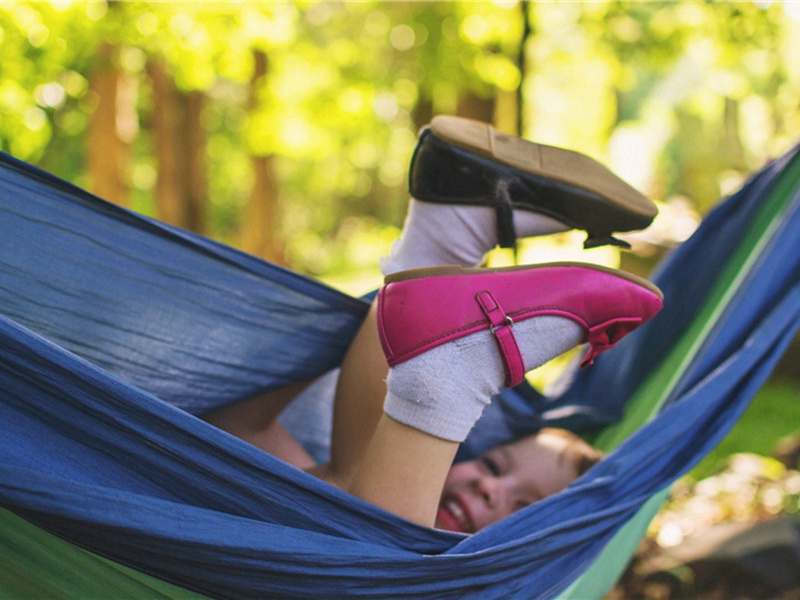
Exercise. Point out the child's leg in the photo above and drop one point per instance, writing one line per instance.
(357, 404)
(455, 339)
(391, 459)
(404, 471)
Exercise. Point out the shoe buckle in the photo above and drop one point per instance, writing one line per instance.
(509, 323)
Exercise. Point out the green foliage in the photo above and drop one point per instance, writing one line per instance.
(682, 98)
(773, 415)
(42, 86)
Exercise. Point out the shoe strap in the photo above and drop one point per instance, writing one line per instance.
(506, 232)
(502, 327)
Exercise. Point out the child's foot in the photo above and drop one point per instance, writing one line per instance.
(464, 162)
(455, 337)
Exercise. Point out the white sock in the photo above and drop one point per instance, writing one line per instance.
(444, 391)
(448, 234)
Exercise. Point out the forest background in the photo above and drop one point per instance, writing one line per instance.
(285, 129)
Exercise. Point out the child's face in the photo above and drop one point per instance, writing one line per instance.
(477, 493)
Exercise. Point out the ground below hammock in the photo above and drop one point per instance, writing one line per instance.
(731, 529)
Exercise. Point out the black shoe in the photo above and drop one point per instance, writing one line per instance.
(460, 161)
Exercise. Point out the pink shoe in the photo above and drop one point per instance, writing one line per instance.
(421, 309)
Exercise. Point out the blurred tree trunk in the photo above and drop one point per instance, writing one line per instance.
(509, 105)
(110, 128)
(179, 148)
(260, 231)
(522, 64)
(423, 112)
(472, 106)
(196, 198)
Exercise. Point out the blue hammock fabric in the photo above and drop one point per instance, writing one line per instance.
(116, 328)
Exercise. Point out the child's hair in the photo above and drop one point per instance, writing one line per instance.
(581, 454)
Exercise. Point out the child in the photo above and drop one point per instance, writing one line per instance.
(453, 336)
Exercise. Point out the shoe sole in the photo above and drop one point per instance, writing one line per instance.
(567, 166)
(456, 270)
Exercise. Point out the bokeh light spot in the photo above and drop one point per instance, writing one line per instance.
(402, 37)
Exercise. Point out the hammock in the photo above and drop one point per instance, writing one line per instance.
(116, 329)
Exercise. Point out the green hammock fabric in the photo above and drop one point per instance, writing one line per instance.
(37, 564)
